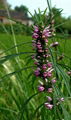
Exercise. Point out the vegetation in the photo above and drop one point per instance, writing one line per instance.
(18, 29)
(62, 21)
(22, 9)
(20, 98)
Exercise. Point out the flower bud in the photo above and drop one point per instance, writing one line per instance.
(41, 88)
(53, 81)
(48, 106)
(50, 90)
(49, 98)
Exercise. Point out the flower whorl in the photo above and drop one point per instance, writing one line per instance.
(43, 63)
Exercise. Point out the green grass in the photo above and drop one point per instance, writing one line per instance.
(19, 99)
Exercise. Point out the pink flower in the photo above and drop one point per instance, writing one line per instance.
(69, 72)
(44, 67)
(62, 99)
(50, 90)
(53, 81)
(45, 74)
(44, 56)
(49, 98)
(54, 44)
(46, 50)
(49, 65)
(39, 47)
(35, 35)
(36, 63)
(38, 56)
(49, 106)
(41, 88)
(46, 40)
(40, 50)
(37, 73)
(46, 33)
(33, 57)
(38, 43)
(49, 74)
(36, 29)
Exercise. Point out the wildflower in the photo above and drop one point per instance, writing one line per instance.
(49, 98)
(38, 56)
(46, 41)
(37, 73)
(46, 33)
(36, 63)
(49, 74)
(40, 50)
(48, 106)
(44, 66)
(35, 35)
(45, 74)
(43, 62)
(54, 44)
(33, 56)
(38, 46)
(49, 65)
(36, 29)
(50, 90)
(41, 88)
(53, 81)
(69, 73)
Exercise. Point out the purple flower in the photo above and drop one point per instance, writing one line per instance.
(38, 57)
(38, 43)
(46, 33)
(45, 74)
(41, 88)
(35, 35)
(39, 47)
(53, 81)
(36, 29)
(46, 41)
(48, 55)
(49, 98)
(50, 90)
(49, 65)
(44, 56)
(36, 63)
(40, 50)
(49, 74)
(33, 57)
(49, 106)
(37, 73)
(44, 67)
